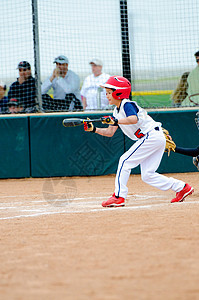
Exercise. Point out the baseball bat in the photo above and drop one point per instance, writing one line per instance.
(73, 122)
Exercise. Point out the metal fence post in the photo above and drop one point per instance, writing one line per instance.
(35, 24)
(126, 62)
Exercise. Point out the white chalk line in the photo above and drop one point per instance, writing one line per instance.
(41, 195)
(71, 205)
(62, 203)
(144, 197)
(80, 211)
(139, 207)
(56, 199)
(97, 209)
(80, 198)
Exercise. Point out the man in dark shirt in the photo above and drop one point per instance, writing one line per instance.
(24, 88)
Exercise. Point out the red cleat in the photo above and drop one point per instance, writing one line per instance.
(186, 191)
(114, 202)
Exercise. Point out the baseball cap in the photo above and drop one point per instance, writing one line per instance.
(61, 59)
(3, 84)
(23, 65)
(13, 102)
(96, 62)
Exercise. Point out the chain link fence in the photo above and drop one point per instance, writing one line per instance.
(152, 43)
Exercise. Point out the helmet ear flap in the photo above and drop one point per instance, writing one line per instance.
(121, 94)
(118, 95)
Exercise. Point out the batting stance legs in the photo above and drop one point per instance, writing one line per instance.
(147, 152)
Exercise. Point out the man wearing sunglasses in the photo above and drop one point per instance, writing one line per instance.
(24, 88)
(66, 88)
(193, 85)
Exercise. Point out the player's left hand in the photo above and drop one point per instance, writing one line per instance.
(88, 126)
(109, 120)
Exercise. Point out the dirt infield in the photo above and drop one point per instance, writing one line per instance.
(58, 242)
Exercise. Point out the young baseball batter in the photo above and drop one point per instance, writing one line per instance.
(148, 149)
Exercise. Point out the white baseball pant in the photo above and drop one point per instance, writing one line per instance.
(146, 152)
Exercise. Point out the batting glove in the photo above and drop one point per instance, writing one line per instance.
(88, 126)
(109, 120)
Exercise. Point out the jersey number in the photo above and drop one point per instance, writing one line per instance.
(139, 134)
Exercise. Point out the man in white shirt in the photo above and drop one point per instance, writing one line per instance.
(93, 96)
(65, 84)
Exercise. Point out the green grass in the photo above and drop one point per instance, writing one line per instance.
(152, 101)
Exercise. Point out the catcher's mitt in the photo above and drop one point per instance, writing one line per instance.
(170, 145)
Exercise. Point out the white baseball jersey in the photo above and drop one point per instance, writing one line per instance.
(145, 122)
(91, 91)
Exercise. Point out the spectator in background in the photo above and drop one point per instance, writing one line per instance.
(193, 85)
(180, 93)
(66, 88)
(93, 96)
(3, 98)
(24, 88)
(15, 107)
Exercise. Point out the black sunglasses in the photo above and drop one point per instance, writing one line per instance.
(60, 58)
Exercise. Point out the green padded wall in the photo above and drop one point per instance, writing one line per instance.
(39, 146)
(14, 149)
(60, 151)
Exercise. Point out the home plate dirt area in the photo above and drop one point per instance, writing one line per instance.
(58, 242)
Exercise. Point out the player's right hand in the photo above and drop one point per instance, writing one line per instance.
(88, 126)
(55, 74)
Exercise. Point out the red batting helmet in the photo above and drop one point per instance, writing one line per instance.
(120, 84)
